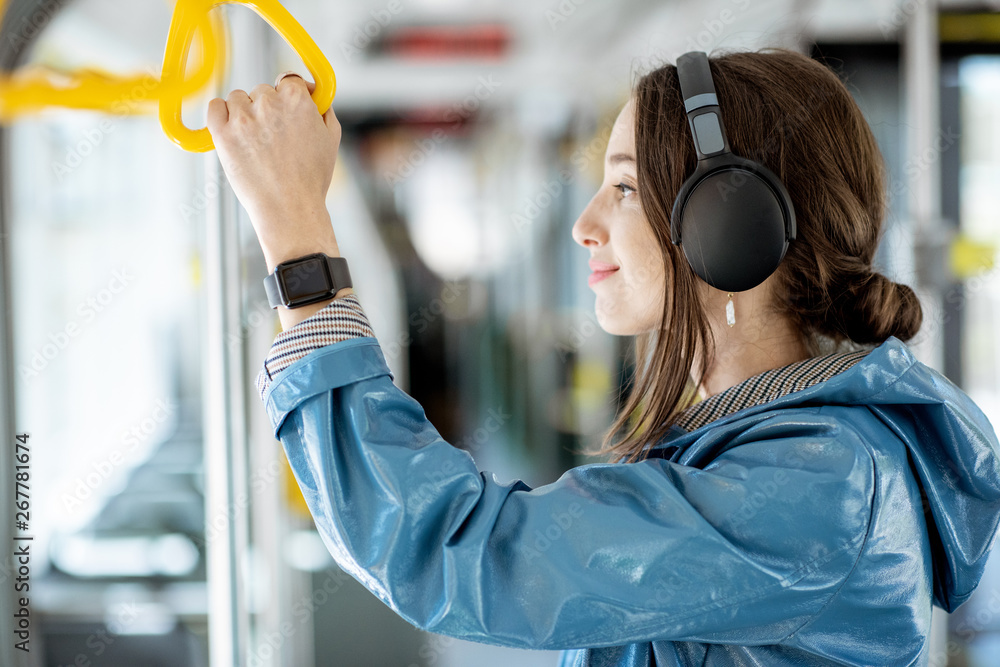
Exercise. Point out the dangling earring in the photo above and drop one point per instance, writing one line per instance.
(730, 311)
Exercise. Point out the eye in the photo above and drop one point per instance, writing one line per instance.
(625, 189)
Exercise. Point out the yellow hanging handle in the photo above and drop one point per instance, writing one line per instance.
(27, 91)
(31, 89)
(187, 14)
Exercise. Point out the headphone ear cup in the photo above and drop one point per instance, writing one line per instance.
(733, 227)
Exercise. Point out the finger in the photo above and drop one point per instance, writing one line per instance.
(283, 75)
(259, 91)
(218, 114)
(290, 82)
(237, 100)
(331, 121)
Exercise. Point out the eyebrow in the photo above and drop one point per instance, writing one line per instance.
(620, 157)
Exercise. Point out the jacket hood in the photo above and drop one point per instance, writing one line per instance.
(953, 454)
(955, 457)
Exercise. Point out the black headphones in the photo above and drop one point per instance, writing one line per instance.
(734, 216)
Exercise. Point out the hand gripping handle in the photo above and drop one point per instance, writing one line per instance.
(187, 15)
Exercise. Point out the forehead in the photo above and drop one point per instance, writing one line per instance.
(622, 139)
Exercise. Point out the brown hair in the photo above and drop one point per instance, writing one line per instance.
(794, 115)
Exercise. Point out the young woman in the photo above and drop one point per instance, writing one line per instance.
(810, 509)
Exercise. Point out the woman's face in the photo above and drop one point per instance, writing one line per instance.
(614, 229)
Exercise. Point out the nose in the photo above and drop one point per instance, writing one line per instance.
(588, 230)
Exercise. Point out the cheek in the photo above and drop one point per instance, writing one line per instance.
(634, 301)
(648, 286)
(637, 303)
(645, 264)
(648, 274)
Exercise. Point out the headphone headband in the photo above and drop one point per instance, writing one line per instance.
(701, 105)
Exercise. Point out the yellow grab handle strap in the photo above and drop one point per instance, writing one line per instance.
(30, 89)
(186, 16)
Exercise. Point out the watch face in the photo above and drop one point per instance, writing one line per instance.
(306, 279)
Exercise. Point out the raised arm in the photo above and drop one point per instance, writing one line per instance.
(279, 154)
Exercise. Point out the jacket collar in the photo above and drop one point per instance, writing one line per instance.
(768, 386)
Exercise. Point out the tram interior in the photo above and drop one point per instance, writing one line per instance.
(473, 136)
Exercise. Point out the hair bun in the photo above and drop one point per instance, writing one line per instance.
(872, 308)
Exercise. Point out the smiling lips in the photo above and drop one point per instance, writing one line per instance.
(600, 271)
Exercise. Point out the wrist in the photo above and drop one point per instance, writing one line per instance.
(289, 317)
(292, 248)
(295, 234)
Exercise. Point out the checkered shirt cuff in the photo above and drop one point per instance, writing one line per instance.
(340, 320)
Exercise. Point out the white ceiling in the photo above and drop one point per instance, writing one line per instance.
(575, 51)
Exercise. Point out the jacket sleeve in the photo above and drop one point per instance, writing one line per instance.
(341, 319)
(747, 549)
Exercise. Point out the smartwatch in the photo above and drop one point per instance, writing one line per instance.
(299, 282)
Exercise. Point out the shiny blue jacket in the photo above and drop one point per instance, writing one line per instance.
(815, 529)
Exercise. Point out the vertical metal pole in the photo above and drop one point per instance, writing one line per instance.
(921, 69)
(921, 65)
(227, 499)
(278, 635)
(7, 564)
(13, 49)
(953, 333)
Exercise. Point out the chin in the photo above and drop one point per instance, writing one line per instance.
(618, 321)
(614, 324)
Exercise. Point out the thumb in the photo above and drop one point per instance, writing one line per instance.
(329, 117)
(331, 121)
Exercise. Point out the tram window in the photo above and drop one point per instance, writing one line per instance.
(105, 328)
(979, 83)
